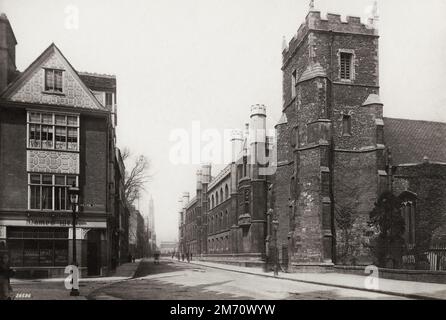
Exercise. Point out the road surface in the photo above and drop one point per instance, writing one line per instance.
(173, 280)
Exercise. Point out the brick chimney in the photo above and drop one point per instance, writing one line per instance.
(8, 70)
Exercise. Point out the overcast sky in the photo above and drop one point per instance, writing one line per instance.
(177, 61)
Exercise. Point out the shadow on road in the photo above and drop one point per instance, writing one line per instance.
(148, 267)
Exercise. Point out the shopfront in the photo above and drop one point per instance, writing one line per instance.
(38, 247)
(41, 247)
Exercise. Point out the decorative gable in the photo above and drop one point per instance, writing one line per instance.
(30, 86)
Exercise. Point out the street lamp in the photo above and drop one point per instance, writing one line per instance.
(276, 251)
(73, 192)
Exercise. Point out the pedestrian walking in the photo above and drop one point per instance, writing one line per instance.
(5, 274)
(157, 257)
(182, 256)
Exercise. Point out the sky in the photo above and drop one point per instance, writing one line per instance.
(183, 62)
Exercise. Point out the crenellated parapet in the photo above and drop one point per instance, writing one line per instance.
(331, 23)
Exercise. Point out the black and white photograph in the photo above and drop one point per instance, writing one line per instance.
(241, 153)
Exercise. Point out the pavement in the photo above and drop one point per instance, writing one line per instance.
(54, 288)
(407, 289)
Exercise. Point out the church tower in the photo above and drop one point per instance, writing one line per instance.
(329, 139)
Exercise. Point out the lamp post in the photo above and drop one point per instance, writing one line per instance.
(73, 192)
(276, 251)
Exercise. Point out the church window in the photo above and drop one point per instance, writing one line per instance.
(293, 84)
(346, 125)
(346, 59)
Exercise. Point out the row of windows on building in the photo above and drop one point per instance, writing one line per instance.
(218, 197)
(218, 222)
(53, 131)
(220, 244)
(346, 71)
(191, 232)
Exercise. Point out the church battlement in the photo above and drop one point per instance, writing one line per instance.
(331, 23)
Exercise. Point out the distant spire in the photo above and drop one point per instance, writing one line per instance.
(284, 44)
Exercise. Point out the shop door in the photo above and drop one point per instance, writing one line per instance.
(93, 253)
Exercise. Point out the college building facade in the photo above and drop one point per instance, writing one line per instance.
(226, 219)
(336, 155)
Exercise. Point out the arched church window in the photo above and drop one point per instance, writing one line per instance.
(346, 125)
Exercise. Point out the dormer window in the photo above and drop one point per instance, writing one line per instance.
(53, 80)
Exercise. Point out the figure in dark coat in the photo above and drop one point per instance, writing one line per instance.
(5, 275)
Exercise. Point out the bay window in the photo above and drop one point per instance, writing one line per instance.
(53, 131)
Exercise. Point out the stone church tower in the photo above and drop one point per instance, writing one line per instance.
(329, 139)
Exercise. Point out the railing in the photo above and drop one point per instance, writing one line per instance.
(436, 256)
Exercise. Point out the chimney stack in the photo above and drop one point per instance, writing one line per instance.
(7, 53)
(257, 141)
(236, 144)
(206, 173)
(185, 199)
(199, 180)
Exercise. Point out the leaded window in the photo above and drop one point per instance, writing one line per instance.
(53, 131)
(53, 80)
(49, 191)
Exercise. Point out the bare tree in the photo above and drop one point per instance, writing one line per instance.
(125, 153)
(136, 177)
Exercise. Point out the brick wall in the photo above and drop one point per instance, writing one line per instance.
(355, 191)
(13, 176)
(93, 159)
(428, 182)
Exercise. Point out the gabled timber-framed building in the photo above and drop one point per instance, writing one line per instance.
(57, 127)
